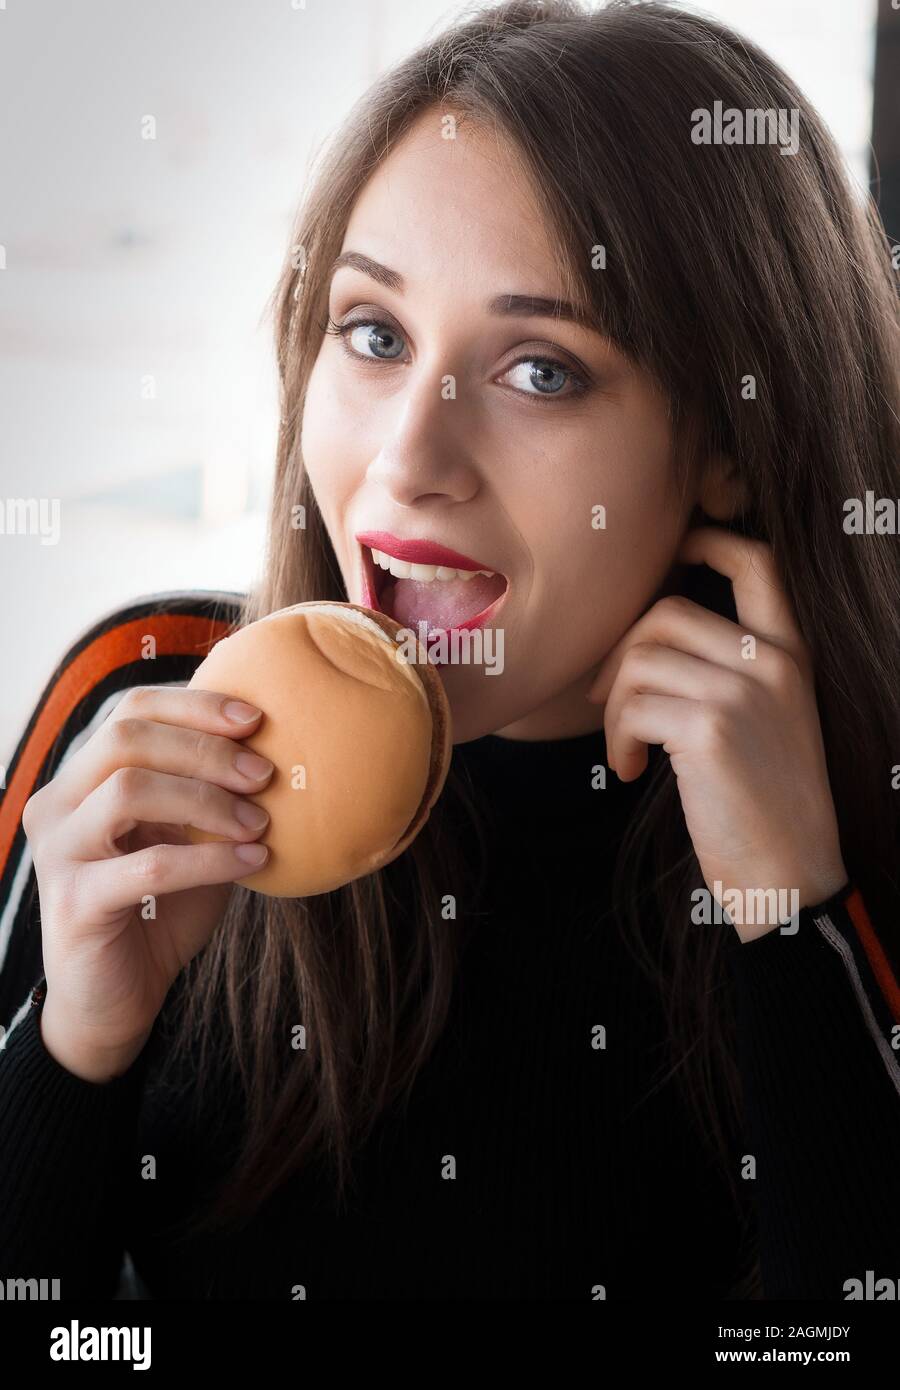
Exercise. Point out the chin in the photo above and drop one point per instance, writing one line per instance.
(473, 712)
(471, 724)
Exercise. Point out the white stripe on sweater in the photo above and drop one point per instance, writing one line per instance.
(839, 944)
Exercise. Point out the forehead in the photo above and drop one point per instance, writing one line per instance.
(464, 203)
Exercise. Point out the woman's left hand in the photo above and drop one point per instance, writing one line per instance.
(734, 706)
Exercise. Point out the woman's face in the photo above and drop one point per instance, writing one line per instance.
(456, 411)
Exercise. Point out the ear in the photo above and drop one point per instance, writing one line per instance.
(722, 494)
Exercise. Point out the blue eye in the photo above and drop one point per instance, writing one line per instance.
(357, 335)
(373, 340)
(546, 376)
(381, 339)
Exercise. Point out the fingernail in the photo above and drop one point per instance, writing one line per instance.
(251, 765)
(240, 712)
(251, 854)
(251, 815)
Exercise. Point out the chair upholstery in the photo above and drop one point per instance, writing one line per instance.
(157, 640)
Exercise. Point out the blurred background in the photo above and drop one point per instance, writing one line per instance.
(137, 379)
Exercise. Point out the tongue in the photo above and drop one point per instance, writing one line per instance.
(442, 603)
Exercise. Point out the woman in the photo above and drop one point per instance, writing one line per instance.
(532, 315)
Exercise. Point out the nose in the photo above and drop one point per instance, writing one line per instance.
(425, 454)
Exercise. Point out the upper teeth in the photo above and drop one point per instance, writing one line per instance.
(403, 569)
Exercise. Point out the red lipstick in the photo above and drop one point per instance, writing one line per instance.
(420, 552)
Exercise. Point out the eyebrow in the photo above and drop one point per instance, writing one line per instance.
(511, 305)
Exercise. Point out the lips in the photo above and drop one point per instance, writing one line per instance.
(420, 552)
(445, 605)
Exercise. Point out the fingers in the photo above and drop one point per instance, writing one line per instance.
(762, 604)
(211, 711)
(682, 675)
(187, 749)
(680, 623)
(649, 718)
(778, 651)
(133, 794)
(109, 885)
(647, 668)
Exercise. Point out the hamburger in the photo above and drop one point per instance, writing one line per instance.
(359, 735)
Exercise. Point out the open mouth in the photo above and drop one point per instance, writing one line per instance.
(446, 599)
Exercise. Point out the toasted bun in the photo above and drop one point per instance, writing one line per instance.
(360, 738)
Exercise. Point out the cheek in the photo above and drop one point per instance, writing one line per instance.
(326, 440)
(604, 537)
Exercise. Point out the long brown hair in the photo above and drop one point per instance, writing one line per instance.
(720, 263)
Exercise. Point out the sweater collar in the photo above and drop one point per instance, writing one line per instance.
(547, 780)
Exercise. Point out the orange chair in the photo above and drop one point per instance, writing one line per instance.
(158, 640)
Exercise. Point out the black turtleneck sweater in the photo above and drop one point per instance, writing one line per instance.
(578, 1166)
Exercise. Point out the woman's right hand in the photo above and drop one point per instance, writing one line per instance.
(110, 850)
